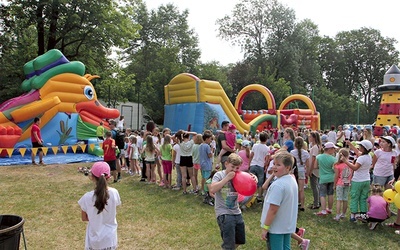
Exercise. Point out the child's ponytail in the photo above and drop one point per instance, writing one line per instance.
(101, 193)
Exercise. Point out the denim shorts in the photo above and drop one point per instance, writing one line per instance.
(259, 172)
(342, 193)
(232, 230)
(382, 180)
(325, 189)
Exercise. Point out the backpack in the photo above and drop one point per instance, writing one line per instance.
(120, 139)
(346, 172)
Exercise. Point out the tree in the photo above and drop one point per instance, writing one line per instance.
(83, 30)
(166, 47)
(364, 57)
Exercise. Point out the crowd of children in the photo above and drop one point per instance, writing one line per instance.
(284, 165)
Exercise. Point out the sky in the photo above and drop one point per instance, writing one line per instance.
(330, 16)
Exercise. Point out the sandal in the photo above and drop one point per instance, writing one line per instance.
(393, 225)
(313, 207)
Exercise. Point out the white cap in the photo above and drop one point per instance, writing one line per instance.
(366, 144)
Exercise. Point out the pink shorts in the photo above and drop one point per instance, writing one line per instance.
(196, 166)
(167, 166)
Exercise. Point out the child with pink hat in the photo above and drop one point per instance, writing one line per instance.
(230, 137)
(99, 208)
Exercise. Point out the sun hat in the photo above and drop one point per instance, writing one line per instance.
(339, 144)
(389, 139)
(276, 145)
(101, 168)
(245, 143)
(366, 144)
(330, 145)
(232, 126)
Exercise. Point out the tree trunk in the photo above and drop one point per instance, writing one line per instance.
(52, 41)
(40, 28)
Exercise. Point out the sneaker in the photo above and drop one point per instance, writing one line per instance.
(184, 192)
(259, 200)
(373, 225)
(321, 213)
(176, 188)
(305, 244)
(142, 180)
(301, 232)
(353, 220)
(342, 216)
(210, 203)
(337, 218)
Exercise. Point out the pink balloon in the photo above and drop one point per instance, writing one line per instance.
(244, 183)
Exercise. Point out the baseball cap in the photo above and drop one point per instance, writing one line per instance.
(245, 143)
(366, 144)
(231, 126)
(100, 168)
(324, 138)
(389, 139)
(330, 145)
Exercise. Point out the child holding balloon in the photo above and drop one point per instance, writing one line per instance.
(228, 213)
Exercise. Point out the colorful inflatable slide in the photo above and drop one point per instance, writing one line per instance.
(203, 104)
(57, 91)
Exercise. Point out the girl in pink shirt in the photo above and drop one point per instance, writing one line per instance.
(244, 153)
(341, 184)
(378, 208)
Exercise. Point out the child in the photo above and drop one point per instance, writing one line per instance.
(209, 199)
(99, 209)
(166, 160)
(176, 159)
(383, 162)
(279, 214)
(302, 159)
(109, 148)
(150, 152)
(127, 152)
(186, 163)
(230, 137)
(205, 157)
(100, 131)
(244, 153)
(360, 180)
(229, 216)
(324, 162)
(342, 184)
(198, 140)
(378, 208)
(134, 156)
(259, 160)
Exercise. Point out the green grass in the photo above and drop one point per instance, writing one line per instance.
(151, 217)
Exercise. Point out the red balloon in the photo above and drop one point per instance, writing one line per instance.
(241, 198)
(244, 183)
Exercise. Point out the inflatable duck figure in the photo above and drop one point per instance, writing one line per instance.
(389, 110)
(57, 91)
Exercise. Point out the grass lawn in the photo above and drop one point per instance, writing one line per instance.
(151, 217)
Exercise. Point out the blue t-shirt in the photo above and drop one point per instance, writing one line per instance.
(289, 144)
(205, 161)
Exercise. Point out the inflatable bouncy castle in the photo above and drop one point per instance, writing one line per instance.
(59, 92)
(202, 104)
